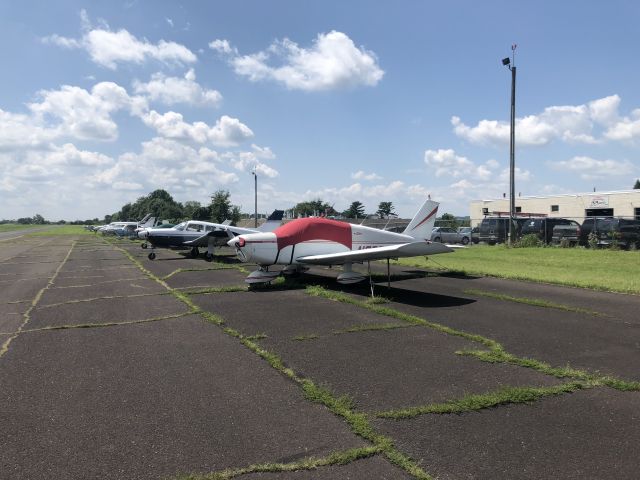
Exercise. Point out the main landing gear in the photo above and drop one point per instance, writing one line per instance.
(195, 252)
(152, 256)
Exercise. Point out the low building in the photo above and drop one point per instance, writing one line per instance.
(577, 206)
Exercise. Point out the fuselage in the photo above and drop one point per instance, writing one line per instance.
(178, 235)
(311, 236)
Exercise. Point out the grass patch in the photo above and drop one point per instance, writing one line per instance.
(61, 230)
(12, 227)
(223, 289)
(536, 302)
(303, 338)
(495, 352)
(372, 328)
(471, 403)
(598, 269)
(311, 463)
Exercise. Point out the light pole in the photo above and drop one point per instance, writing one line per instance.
(255, 188)
(511, 65)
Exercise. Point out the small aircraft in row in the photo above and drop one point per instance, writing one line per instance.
(125, 228)
(321, 241)
(199, 234)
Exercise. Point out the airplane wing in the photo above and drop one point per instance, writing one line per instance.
(219, 237)
(413, 249)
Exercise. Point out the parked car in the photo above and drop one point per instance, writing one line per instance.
(569, 233)
(475, 235)
(543, 227)
(496, 229)
(625, 232)
(466, 235)
(449, 235)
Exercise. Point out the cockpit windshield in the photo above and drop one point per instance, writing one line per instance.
(181, 226)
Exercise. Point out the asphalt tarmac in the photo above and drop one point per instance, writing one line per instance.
(113, 366)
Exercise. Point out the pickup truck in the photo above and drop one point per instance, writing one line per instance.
(451, 235)
(569, 233)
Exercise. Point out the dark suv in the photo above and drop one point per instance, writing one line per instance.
(496, 229)
(607, 230)
(543, 227)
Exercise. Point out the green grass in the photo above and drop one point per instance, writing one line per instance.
(597, 269)
(475, 402)
(536, 302)
(62, 230)
(12, 227)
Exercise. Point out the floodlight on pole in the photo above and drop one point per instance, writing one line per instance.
(511, 65)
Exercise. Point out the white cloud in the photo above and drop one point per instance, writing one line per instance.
(626, 129)
(174, 90)
(361, 175)
(447, 163)
(251, 161)
(332, 62)
(227, 132)
(108, 48)
(590, 168)
(569, 123)
(80, 114)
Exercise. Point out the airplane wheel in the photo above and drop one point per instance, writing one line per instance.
(152, 256)
(465, 241)
(144, 245)
(437, 239)
(194, 252)
(208, 257)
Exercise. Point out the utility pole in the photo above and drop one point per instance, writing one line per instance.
(511, 65)
(255, 189)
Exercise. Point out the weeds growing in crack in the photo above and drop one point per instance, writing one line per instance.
(536, 302)
(496, 352)
(475, 402)
(311, 463)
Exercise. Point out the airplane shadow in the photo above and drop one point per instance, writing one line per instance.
(363, 290)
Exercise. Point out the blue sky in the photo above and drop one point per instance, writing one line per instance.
(102, 103)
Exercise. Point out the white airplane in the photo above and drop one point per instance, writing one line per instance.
(320, 241)
(125, 228)
(195, 234)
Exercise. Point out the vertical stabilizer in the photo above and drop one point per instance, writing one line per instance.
(273, 222)
(422, 223)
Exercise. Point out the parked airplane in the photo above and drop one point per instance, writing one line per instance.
(320, 241)
(195, 234)
(126, 228)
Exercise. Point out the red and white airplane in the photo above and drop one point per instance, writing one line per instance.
(320, 241)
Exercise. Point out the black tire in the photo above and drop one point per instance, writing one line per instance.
(194, 252)
(144, 245)
(437, 239)
(152, 256)
(465, 240)
(208, 257)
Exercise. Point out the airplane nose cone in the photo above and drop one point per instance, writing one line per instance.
(236, 242)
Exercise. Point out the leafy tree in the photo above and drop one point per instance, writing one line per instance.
(356, 210)
(637, 184)
(313, 207)
(38, 219)
(159, 203)
(191, 208)
(220, 208)
(447, 220)
(385, 210)
(236, 214)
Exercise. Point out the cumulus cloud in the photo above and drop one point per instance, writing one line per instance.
(568, 123)
(227, 132)
(625, 129)
(332, 62)
(81, 114)
(362, 175)
(252, 161)
(165, 163)
(109, 48)
(590, 168)
(447, 163)
(175, 90)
